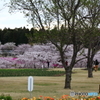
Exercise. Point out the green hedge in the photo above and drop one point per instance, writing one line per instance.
(5, 97)
(29, 72)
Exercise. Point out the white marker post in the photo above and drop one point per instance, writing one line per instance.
(30, 84)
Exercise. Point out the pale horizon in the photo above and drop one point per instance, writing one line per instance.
(14, 20)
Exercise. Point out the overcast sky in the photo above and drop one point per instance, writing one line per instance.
(14, 20)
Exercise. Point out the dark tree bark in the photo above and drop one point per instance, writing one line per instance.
(68, 78)
(90, 62)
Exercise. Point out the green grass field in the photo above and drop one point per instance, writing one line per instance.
(49, 86)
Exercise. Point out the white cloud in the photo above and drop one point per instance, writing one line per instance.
(14, 20)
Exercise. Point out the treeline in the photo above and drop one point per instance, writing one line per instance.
(17, 35)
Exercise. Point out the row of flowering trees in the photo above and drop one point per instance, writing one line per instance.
(27, 56)
(38, 56)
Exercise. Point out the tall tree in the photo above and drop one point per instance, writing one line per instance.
(69, 11)
(90, 22)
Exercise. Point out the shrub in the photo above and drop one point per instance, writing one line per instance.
(5, 97)
(29, 72)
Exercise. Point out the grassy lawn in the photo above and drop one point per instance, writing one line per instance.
(49, 86)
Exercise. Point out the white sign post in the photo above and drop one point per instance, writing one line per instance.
(30, 84)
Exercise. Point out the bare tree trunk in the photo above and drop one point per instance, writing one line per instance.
(90, 74)
(68, 78)
(89, 62)
(89, 67)
(68, 71)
